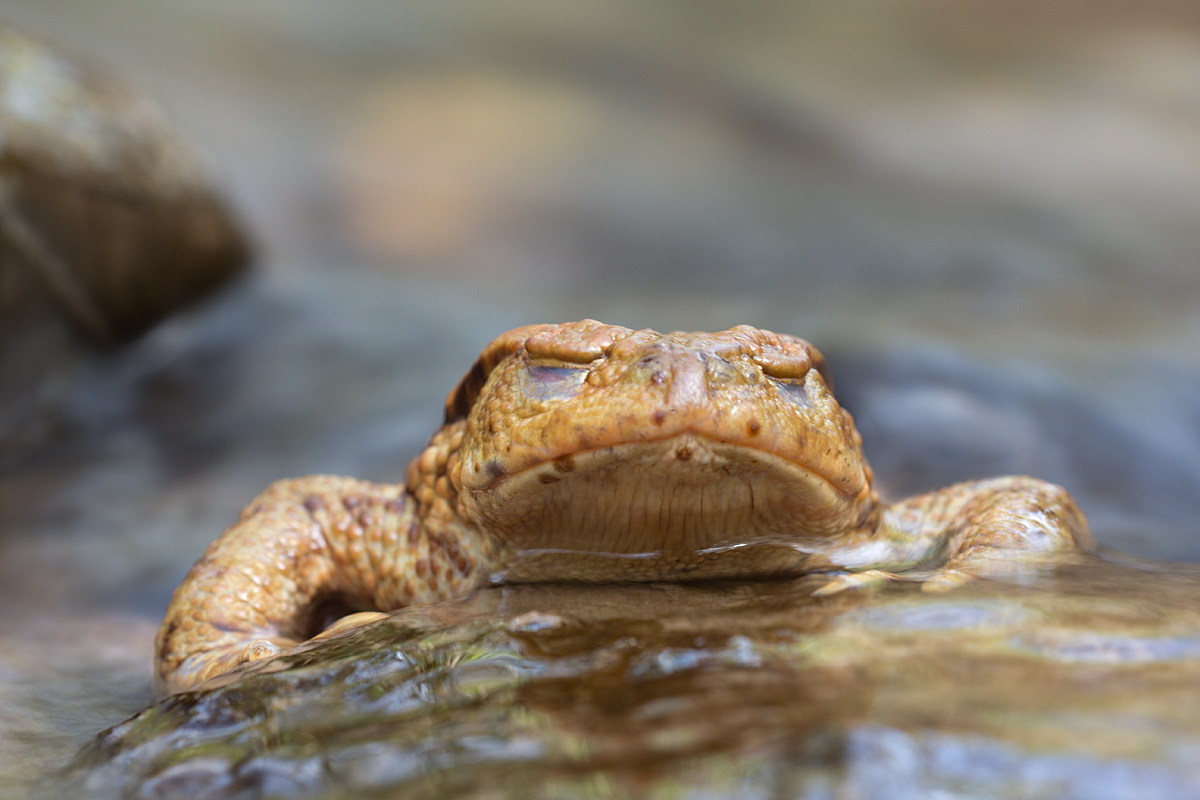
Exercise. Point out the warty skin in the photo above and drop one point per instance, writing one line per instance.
(591, 452)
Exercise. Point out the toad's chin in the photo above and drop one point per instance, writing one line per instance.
(681, 507)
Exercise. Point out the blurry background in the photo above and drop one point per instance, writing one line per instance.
(987, 214)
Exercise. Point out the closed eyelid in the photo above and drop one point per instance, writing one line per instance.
(547, 382)
(552, 372)
(795, 391)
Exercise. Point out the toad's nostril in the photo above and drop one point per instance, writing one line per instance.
(650, 368)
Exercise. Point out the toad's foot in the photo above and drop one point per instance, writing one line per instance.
(856, 580)
(300, 548)
(349, 623)
(199, 667)
(937, 582)
(942, 580)
(1005, 528)
(260, 649)
(1010, 529)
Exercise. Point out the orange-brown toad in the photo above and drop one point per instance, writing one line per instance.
(591, 452)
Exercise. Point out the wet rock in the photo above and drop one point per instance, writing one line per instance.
(1082, 686)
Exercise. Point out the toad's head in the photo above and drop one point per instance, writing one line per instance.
(592, 451)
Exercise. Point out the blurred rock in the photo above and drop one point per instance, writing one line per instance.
(107, 219)
(930, 418)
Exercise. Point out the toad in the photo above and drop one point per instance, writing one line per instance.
(592, 452)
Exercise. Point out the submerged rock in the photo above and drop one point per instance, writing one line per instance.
(1081, 686)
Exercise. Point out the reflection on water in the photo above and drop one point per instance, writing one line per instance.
(951, 614)
(1082, 687)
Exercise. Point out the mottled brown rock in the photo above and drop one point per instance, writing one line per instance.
(106, 216)
(591, 452)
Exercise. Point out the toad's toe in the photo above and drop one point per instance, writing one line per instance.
(855, 580)
(350, 622)
(945, 580)
(258, 650)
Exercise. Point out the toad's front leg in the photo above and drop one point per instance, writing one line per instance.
(304, 552)
(998, 528)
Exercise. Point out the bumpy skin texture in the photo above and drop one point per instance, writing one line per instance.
(591, 452)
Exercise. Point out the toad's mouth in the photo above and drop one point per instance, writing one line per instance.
(680, 447)
(672, 499)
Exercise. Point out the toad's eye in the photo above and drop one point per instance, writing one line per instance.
(795, 391)
(553, 383)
